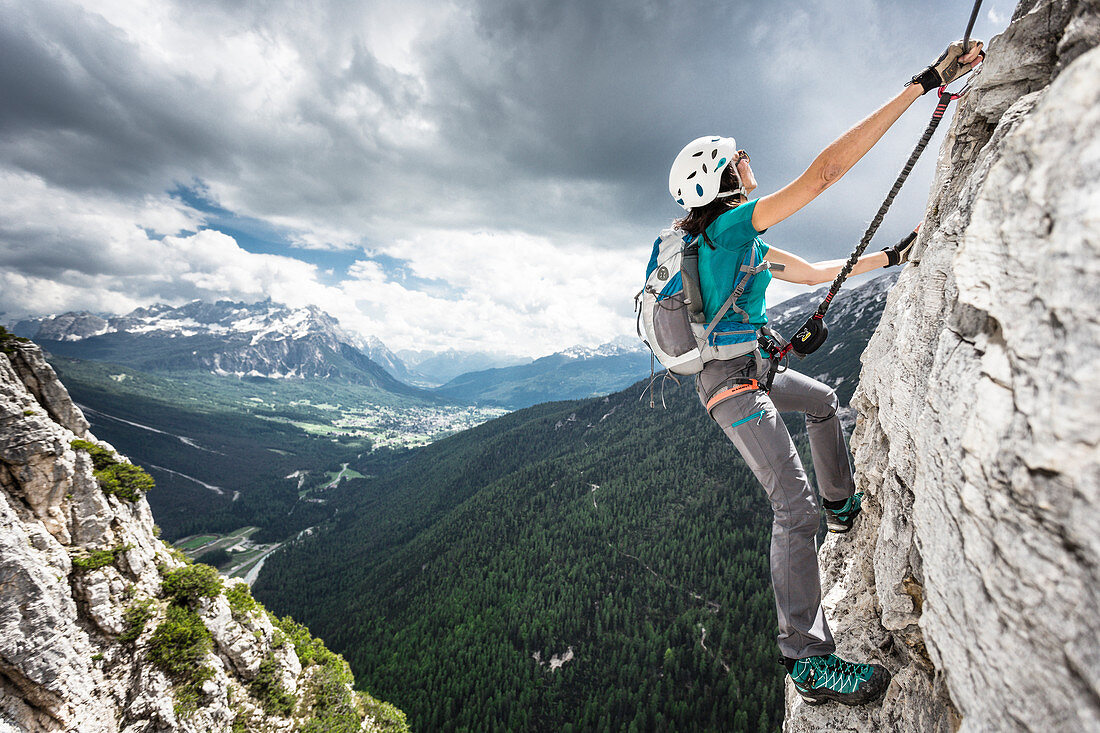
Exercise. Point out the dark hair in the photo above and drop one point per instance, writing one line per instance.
(701, 217)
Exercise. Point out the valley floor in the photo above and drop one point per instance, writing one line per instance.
(247, 556)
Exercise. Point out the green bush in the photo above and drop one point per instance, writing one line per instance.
(99, 558)
(8, 339)
(94, 561)
(101, 457)
(334, 709)
(187, 699)
(334, 704)
(124, 480)
(241, 602)
(177, 647)
(268, 689)
(188, 584)
(386, 714)
(135, 617)
(305, 646)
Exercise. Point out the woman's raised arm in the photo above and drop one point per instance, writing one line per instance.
(844, 152)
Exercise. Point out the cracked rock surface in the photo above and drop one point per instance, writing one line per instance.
(973, 572)
(62, 664)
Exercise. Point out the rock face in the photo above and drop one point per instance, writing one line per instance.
(974, 572)
(77, 567)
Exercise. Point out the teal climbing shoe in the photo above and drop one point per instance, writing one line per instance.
(828, 677)
(839, 519)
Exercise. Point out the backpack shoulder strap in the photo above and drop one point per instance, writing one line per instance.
(748, 271)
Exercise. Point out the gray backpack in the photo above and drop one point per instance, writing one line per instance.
(670, 306)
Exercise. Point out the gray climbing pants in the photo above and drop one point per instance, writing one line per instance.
(751, 420)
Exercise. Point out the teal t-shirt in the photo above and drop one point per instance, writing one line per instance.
(732, 234)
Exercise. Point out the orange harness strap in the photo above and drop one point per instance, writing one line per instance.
(730, 392)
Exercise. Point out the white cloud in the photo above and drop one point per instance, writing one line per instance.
(519, 292)
(61, 250)
(505, 291)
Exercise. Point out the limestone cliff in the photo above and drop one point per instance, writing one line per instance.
(974, 573)
(105, 628)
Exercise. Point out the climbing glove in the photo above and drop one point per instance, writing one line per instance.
(899, 252)
(946, 68)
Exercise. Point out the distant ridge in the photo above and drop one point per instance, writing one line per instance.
(581, 372)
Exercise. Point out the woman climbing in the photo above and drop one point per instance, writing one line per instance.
(712, 180)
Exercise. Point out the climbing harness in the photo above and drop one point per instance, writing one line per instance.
(743, 385)
(813, 333)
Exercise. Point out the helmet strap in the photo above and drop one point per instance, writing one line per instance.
(740, 186)
(739, 192)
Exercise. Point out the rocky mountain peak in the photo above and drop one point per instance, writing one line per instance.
(226, 338)
(103, 627)
(973, 572)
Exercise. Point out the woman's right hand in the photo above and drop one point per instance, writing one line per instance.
(951, 64)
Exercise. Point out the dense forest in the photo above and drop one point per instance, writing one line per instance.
(631, 541)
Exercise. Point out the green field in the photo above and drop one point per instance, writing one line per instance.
(196, 541)
(238, 543)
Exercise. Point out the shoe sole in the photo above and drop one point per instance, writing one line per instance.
(851, 699)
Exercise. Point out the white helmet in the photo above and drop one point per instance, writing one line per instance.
(696, 175)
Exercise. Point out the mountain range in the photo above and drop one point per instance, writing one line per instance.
(272, 341)
(225, 338)
(575, 373)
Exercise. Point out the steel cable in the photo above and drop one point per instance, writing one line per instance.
(937, 115)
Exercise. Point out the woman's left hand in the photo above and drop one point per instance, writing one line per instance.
(899, 253)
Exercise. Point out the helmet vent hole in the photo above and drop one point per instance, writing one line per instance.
(692, 175)
(705, 168)
(696, 155)
(714, 154)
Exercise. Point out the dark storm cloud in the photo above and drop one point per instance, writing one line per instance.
(596, 98)
(554, 117)
(82, 110)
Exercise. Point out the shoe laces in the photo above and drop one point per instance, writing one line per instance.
(832, 672)
(835, 664)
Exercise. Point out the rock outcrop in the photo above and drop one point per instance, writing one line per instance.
(105, 628)
(974, 572)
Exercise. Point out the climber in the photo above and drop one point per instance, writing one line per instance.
(715, 194)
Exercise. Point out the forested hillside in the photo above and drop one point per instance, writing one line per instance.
(625, 538)
(590, 565)
(191, 432)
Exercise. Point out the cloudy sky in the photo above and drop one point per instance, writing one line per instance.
(472, 174)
